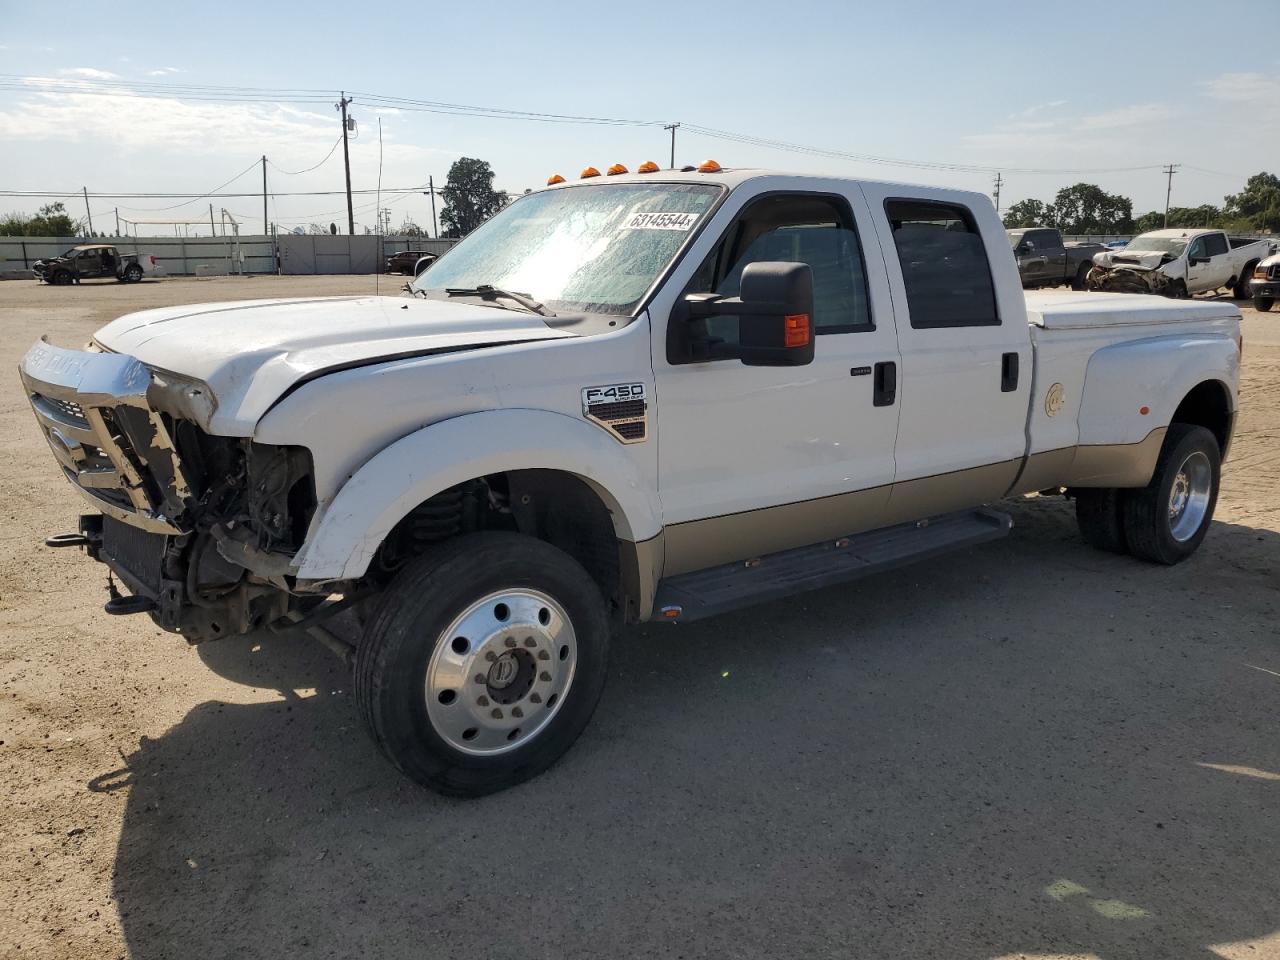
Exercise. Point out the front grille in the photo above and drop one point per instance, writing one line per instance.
(1273, 271)
(69, 407)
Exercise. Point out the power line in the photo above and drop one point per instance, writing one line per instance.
(294, 173)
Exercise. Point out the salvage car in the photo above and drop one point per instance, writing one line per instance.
(91, 261)
(659, 396)
(408, 261)
(1264, 286)
(1179, 263)
(1044, 260)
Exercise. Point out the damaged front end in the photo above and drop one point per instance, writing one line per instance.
(1136, 273)
(201, 529)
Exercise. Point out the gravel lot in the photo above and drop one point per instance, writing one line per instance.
(1030, 749)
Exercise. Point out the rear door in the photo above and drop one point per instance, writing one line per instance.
(966, 353)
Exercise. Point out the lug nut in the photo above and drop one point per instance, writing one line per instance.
(544, 676)
(535, 698)
(480, 678)
(490, 656)
(510, 641)
(497, 714)
(517, 712)
(543, 655)
(482, 701)
(528, 642)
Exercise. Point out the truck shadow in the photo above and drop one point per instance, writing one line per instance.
(1029, 747)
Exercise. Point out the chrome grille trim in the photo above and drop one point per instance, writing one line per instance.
(69, 391)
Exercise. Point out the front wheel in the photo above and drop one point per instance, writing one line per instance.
(1165, 521)
(1081, 281)
(62, 278)
(1263, 304)
(484, 663)
(1177, 290)
(133, 273)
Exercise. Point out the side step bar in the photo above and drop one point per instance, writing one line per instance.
(705, 593)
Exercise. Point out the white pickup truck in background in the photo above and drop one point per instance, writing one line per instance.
(650, 396)
(1179, 263)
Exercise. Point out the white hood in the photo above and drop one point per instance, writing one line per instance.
(248, 353)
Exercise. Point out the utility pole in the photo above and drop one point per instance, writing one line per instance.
(117, 221)
(1170, 170)
(343, 100)
(264, 194)
(431, 189)
(87, 213)
(213, 231)
(998, 181)
(672, 128)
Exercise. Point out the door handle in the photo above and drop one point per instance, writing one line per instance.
(1009, 373)
(884, 388)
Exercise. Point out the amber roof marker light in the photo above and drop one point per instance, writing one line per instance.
(554, 179)
(708, 166)
(588, 173)
(616, 169)
(647, 167)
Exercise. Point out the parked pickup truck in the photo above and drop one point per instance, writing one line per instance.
(656, 396)
(90, 261)
(1178, 263)
(1045, 261)
(1264, 286)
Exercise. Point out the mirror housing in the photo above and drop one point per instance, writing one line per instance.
(1196, 261)
(775, 317)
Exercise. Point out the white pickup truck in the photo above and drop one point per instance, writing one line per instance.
(1179, 263)
(645, 396)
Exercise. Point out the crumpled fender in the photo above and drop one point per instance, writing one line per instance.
(347, 533)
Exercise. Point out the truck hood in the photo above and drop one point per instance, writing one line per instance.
(244, 355)
(1133, 259)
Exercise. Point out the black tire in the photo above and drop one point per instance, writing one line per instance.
(1263, 304)
(424, 600)
(1148, 526)
(1177, 290)
(1241, 290)
(1082, 277)
(133, 273)
(62, 278)
(1100, 518)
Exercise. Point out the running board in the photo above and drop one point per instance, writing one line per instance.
(705, 593)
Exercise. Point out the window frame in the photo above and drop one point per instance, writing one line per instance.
(971, 222)
(843, 209)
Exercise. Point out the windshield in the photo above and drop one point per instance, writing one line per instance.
(593, 249)
(1148, 243)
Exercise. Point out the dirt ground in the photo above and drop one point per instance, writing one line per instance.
(1028, 750)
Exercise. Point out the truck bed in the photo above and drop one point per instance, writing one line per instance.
(1088, 310)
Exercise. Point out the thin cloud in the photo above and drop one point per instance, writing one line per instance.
(163, 71)
(89, 73)
(1253, 88)
(1037, 108)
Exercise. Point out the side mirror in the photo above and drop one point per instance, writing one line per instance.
(775, 316)
(1028, 247)
(1196, 261)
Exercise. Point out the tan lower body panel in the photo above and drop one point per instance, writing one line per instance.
(640, 566)
(698, 544)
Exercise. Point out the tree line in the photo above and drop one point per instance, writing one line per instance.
(1085, 208)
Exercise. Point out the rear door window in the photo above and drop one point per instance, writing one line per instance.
(944, 264)
(1215, 245)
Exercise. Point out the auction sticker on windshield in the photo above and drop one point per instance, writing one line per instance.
(661, 221)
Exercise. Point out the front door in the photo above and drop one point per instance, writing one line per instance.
(758, 459)
(966, 355)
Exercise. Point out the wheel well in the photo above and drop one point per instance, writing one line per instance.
(551, 505)
(1208, 406)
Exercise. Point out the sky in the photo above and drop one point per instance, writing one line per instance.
(1088, 90)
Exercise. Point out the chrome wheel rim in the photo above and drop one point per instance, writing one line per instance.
(1189, 496)
(500, 672)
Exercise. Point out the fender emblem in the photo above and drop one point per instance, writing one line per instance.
(1054, 400)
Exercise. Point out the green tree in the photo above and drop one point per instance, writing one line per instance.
(1027, 213)
(469, 197)
(1148, 222)
(1085, 208)
(1258, 203)
(1205, 215)
(51, 221)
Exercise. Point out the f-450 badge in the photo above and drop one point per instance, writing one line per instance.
(618, 407)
